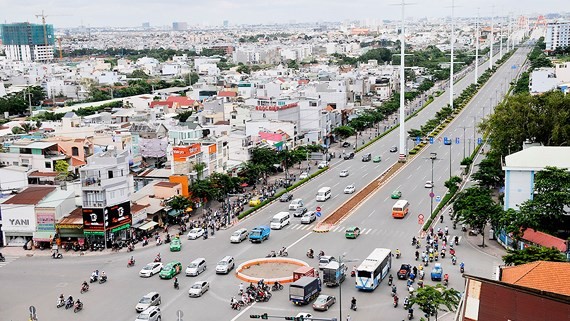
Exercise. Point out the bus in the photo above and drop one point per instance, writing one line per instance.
(373, 269)
(400, 209)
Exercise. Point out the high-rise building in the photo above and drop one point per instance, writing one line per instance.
(28, 42)
(146, 25)
(179, 26)
(226, 23)
(557, 35)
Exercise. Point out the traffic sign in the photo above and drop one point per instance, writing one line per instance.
(479, 141)
(431, 194)
(418, 140)
(438, 198)
(431, 140)
(318, 214)
(457, 141)
(318, 209)
(420, 217)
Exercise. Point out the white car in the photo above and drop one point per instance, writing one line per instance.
(150, 299)
(349, 189)
(429, 184)
(198, 288)
(308, 217)
(150, 270)
(195, 233)
(323, 164)
(303, 175)
(324, 260)
(343, 173)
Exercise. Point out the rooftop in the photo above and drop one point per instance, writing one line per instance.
(30, 196)
(166, 184)
(538, 157)
(541, 275)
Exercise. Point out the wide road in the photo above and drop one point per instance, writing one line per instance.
(38, 281)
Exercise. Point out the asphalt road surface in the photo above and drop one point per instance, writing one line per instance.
(39, 280)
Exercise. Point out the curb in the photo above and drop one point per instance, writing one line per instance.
(251, 279)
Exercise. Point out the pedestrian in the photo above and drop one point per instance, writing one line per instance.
(348, 318)
(353, 304)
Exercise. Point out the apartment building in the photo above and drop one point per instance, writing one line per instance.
(557, 35)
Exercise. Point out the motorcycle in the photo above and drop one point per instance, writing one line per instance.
(453, 260)
(394, 291)
(206, 235)
(277, 286)
(102, 280)
(68, 305)
(56, 256)
(131, 263)
(157, 260)
(352, 273)
(310, 255)
(158, 242)
(461, 269)
(177, 286)
(395, 302)
(283, 253)
(235, 306)
(398, 255)
(78, 307)
(60, 303)
(271, 254)
(410, 314)
(84, 288)
(93, 279)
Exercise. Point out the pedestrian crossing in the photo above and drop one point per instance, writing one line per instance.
(335, 229)
(8, 260)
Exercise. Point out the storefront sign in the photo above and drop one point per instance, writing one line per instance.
(118, 215)
(46, 221)
(19, 219)
(212, 149)
(181, 153)
(93, 219)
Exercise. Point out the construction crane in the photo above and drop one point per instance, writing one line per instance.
(43, 16)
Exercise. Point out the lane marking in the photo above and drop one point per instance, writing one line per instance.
(371, 213)
(299, 240)
(368, 231)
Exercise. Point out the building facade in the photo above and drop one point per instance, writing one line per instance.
(557, 35)
(28, 42)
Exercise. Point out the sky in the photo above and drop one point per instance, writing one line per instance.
(131, 13)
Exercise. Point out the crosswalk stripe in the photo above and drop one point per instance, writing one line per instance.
(368, 231)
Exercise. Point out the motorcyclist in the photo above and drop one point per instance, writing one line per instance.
(321, 254)
(398, 253)
(84, 285)
(390, 279)
(453, 259)
(61, 300)
(353, 304)
(456, 240)
(282, 251)
(176, 285)
(103, 276)
(417, 255)
(396, 300)
(69, 300)
(394, 290)
(414, 240)
(446, 230)
(233, 301)
(78, 303)
(310, 253)
(411, 313)
(353, 270)
(94, 275)
(132, 261)
(406, 301)
(158, 259)
(241, 288)
(462, 266)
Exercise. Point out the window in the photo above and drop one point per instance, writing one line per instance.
(74, 151)
(48, 164)
(110, 174)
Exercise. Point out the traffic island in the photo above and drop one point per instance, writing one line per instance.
(270, 270)
(346, 208)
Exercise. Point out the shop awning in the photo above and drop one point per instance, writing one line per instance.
(148, 225)
(43, 236)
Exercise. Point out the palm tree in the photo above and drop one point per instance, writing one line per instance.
(27, 127)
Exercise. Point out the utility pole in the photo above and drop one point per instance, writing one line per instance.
(474, 131)
(501, 39)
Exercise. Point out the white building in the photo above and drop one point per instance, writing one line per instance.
(521, 167)
(557, 35)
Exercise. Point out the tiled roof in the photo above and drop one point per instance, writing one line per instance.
(30, 196)
(544, 239)
(541, 275)
(227, 94)
(42, 174)
(166, 184)
(138, 207)
(182, 101)
(161, 103)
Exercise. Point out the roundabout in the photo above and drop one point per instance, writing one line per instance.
(270, 270)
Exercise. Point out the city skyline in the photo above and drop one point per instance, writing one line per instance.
(67, 13)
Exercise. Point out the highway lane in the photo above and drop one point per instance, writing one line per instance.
(117, 298)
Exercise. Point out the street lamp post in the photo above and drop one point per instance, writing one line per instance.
(464, 128)
(432, 157)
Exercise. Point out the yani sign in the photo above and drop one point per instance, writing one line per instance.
(19, 222)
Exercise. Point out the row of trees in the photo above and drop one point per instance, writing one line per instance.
(18, 103)
(160, 54)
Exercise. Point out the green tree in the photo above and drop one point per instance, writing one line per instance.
(244, 69)
(194, 77)
(540, 62)
(546, 210)
(344, 131)
(380, 54)
(532, 254)
(432, 299)
(413, 133)
(476, 208)
(452, 184)
(62, 169)
(264, 156)
(199, 169)
(203, 188)
(252, 171)
(183, 115)
(292, 64)
(522, 83)
(27, 127)
(179, 203)
(139, 73)
(490, 173)
(17, 130)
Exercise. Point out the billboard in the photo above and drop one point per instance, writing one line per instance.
(117, 215)
(93, 219)
(181, 153)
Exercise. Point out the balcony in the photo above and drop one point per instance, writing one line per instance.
(91, 181)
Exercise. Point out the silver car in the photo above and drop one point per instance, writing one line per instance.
(150, 299)
(198, 288)
(308, 217)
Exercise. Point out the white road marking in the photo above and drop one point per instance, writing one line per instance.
(335, 184)
(243, 311)
(299, 240)
(368, 231)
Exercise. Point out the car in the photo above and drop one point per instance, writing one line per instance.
(198, 288)
(195, 233)
(349, 189)
(428, 184)
(366, 157)
(150, 314)
(436, 272)
(323, 164)
(404, 271)
(300, 211)
(239, 235)
(343, 173)
(393, 149)
(225, 265)
(170, 270)
(303, 175)
(345, 144)
(298, 202)
(396, 194)
(324, 260)
(308, 218)
(148, 300)
(286, 197)
(377, 159)
(349, 156)
(196, 267)
(150, 269)
(323, 302)
(175, 245)
(256, 200)
(352, 232)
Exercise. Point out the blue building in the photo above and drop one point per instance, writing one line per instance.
(28, 42)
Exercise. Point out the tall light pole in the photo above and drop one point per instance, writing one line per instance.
(501, 40)
(402, 85)
(474, 131)
(452, 57)
(432, 157)
(492, 40)
(464, 128)
(477, 47)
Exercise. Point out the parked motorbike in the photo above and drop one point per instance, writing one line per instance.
(56, 256)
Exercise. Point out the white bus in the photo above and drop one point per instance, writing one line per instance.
(373, 269)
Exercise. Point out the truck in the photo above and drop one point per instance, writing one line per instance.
(304, 290)
(304, 271)
(334, 273)
(259, 234)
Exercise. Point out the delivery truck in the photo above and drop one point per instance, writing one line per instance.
(259, 234)
(334, 273)
(304, 290)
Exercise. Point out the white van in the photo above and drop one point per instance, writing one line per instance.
(323, 194)
(239, 235)
(298, 202)
(279, 220)
(196, 267)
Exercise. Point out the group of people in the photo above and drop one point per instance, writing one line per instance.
(261, 292)
(68, 303)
